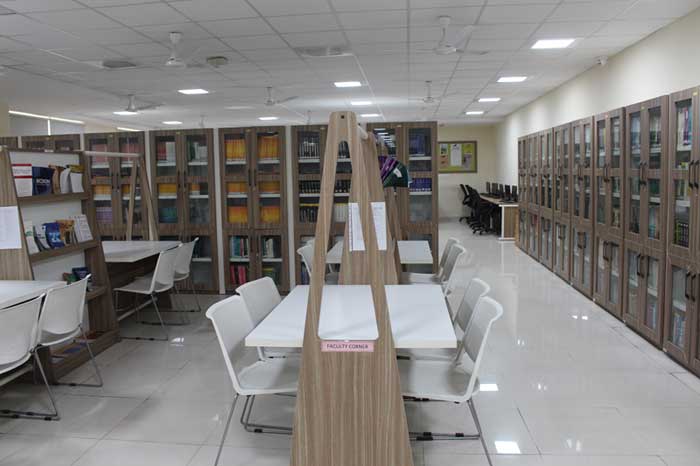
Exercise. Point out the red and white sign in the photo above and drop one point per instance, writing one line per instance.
(335, 346)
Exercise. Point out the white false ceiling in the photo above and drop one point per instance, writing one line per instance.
(49, 48)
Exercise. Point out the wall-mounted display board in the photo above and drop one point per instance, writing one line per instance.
(59, 242)
(253, 168)
(110, 179)
(182, 173)
(11, 142)
(415, 145)
(56, 142)
(457, 156)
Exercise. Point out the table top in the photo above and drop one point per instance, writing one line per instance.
(17, 291)
(134, 251)
(418, 313)
(499, 201)
(410, 252)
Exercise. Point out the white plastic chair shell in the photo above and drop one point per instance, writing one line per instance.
(183, 261)
(261, 297)
(62, 313)
(18, 333)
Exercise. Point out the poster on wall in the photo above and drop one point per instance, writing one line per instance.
(457, 157)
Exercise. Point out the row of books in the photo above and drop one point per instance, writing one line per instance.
(235, 149)
(309, 146)
(678, 326)
(165, 151)
(58, 234)
(271, 248)
(421, 185)
(418, 144)
(308, 212)
(239, 274)
(240, 246)
(54, 179)
(314, 186)
(197, 152)
(268, 147)
(684, 138)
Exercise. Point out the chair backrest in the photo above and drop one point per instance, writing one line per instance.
(487, 311)
(165, 269)
(453, 256)
(18, 331)
(260, 296)
(476, 290)
(448, 246)
(307, 255)
(232, 324)
(184, 257)
(64, 308)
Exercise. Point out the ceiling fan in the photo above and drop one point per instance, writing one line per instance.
(271, 101)
(175, 61)
(429, 98)
(132, 108)
(456, 43)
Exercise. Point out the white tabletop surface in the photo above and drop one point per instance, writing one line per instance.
(16, 291)
(418, 313)
(134, 251)
(411, 253)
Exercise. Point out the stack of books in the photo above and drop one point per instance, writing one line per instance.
(165, 151)
(235, 149)
(267, 147)
(270, 213)
(240, 247)
(239, 274)
(237, 214)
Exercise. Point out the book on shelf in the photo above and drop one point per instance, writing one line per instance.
(685, 129)
(235, 149)
(22, 174)
(309, 146)
(240, 247)
(340, 212)
(271, 272)
(165, 151)
(29, 234)
(270, 213)
(267, 147)
(237, 214)
(271, 249)
(82, 228)
(239, 274)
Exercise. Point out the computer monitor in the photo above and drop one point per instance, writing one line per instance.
(488, 188)
(514, 193)
(506, 194)
(501, 191)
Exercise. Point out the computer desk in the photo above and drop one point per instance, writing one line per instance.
(509, 216)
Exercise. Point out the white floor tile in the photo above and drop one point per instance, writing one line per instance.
(120, 453)
(39, 451)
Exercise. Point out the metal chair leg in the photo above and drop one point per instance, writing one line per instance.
(100, 382)
(194, 292)
(55, 416)
(223, 437)
(478, 429)
(259, 428)
(160, 319)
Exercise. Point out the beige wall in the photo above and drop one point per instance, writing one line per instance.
(449, 193)
(4, 119)
(663, 63)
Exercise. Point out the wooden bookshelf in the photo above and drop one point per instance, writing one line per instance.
(56, 142)
(50, 264)
(11, 142)
(253, 193)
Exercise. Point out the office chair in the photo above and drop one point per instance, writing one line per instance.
(507, 195)
(501, 192)
(465, 202)
(488, 187)
(514, 191)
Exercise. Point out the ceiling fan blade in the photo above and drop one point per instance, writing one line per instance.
(287, 99)
(459, 41)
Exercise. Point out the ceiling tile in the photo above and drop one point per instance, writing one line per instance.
(374, 19)
(515, 13)
(368, 5)
(88, 53)
(206, 10)
(237, 27)
(26, 6)
(616, 28)
(269, 41)
(304, 23)
(609, 41)
(75, 19)
(9, 45)
(144, 15)
(120, 35)
(655, 9)
(588, 11)
(101, 3)
(315, 39)
(12, 25)
(368, 36)
(148, 49)
(504, 31)
(554, 30)
(429, 16)
(296, 7)
(44, 38)
(161, 32)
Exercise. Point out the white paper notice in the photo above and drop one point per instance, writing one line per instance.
(455, 155)
(379, 217)
(357, 241)
(10, 230)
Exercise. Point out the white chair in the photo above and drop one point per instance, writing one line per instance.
(62, 318)
(250, 376)
(476, 290)
(18, 343)
(432, 278)
(307, 257)
(455, 257)
(183, 264)
(453, 382)
(261, 297)
(160, 281)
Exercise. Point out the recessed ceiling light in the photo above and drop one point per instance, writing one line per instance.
(193, 91)
(360, 103)
(475, 112)
(239, 107)
(268, 118)
(489, 99)
(124, 128)
(125, 113)
(507, 447)
(512, 79)
(553, 43)
(347, 84)
(369, 115)
(172, 122)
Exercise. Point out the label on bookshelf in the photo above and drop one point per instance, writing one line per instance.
(357, 241)
(379, 217)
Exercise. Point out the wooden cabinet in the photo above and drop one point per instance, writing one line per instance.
(110, 179)
(523, 178)
(182, 174)
(582, 259)
(522, 228)
(253, 187)
(680, 327)
(11, 142)
(57, 142)
(562, 201)
(533, 234)
(546, 184)
(561, 261)
(607, 290)
(533, 156)
(582, 136)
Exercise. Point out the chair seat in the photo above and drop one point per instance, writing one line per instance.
(415, 278)
(181, 276)
(269, 377)
(436, 380)
(15, 364)
(142, 285)
(49, 339)
(332, 278)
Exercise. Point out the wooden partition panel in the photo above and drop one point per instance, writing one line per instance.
(349, 406)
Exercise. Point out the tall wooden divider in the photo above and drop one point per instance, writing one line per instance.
(349, 409)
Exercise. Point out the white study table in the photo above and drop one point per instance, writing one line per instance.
(418, 313)
(134, 251)
(410, 252)
(17, 291)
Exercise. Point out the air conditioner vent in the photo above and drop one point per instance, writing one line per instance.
(323, 52)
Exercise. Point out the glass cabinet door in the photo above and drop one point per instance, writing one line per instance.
(561, 245)
(166, 179)
(683, 174)
(652, 180)
(101, 172)
(546, 241)
(587, 253)
(271, 257)
(534, 234)
(651, 274)
(420, 151)
(239, 253)
(576, 268)
(197, 183)
(559, 170)
(522, 229)
(237, 178)
(601, 268)
(679, 304)
(268, 176)
(634, 182)
(614, 280)
(566, 175)
(633, 276)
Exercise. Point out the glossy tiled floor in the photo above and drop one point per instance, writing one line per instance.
(574, 388)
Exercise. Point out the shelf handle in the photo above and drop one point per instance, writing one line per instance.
(691, 175)
(639, 259)
(687, 277)
(692, 287)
